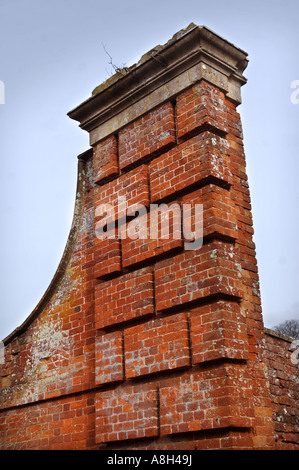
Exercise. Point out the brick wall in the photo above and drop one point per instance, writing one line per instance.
(283, 370)
(143, 341)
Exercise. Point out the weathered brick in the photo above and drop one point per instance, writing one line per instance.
(115, 200)
(219, 215)
(124, 195)
(202, 106)
(206, 399)
(218, 330)
(152, 234)
(157, 345)
(105, 161)
(124, 298)
(144, 137)
(192, 275)
(129, 413)
(50, 425)
(107, 257)
(200, 160)
(183, 403)
(109, 357)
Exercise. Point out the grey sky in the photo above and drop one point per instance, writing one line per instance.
(51, 58)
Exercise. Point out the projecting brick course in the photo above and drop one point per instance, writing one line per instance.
(125, 195)
(218, 330)
(219, 214)
(200, 159)
(205, 400)
(146, 136)
(202, 106)
(130, 413)
(107, 255)
(124, 298)
(157, 345)
(105, 160)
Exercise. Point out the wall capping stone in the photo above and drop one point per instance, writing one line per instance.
(277, 334)
(193, 54)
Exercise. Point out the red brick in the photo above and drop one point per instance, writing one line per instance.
(193, 401)
(125, 195)
(109, 357)
(196, 274)
(124, 298)
(219, 215)
(202, 159)
(129, 413)
(157, 345)
(183, 404)
(46, 427)
(144, 137)
(203, 105)
(218, 330)
(115, 200)
(105, 162)
(152, 234)
(107, 257)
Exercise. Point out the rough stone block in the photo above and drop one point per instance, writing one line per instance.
(193, 275)
(202, 106)
(152, 234)
(198, 161)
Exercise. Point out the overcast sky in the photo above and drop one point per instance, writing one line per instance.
(51, 58)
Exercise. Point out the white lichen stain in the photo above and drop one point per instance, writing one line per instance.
(87, 224)
(51, 342)
(50, 346)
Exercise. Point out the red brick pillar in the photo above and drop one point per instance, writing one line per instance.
(179, 350)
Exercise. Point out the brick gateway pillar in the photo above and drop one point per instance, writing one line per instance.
(157, 346)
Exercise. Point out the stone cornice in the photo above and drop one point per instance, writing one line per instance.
(191, 55)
